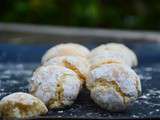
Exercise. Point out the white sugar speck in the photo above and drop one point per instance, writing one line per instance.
(134, 116)
(144, 97)
(61, 111)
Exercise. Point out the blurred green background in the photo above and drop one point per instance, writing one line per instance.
(119, 14)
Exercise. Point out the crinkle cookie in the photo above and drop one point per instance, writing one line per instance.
(114, 86)
(22, 105)
(107, 57)
(66, 49)
(56, 86)
(79, 65)
(130, 56)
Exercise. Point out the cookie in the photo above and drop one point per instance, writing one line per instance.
(56, 86)
(114, 86)
(66, 49)
(21, 105)
(78, 64)
(130, 56)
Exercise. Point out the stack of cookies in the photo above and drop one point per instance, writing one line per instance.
(113, 84)
(62, 74)
(106, 72)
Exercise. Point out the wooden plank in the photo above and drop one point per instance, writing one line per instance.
(33, 33)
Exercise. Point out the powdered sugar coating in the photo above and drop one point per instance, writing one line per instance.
(107, 57)
(123, 75)
(130, 56)
(66, 49)
(107, 98)
(25, 98)
(22, 105)
(78, 64)
(70, 91)
(120, 77)
(46, 79)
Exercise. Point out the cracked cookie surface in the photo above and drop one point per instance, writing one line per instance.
(78, 64)
(118, 77)
(107, 57)
(66, 49)
(21, 105)
(56, 86)
(129, 55)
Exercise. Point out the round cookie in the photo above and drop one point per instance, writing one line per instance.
(107, 57)
(78, 64)
(66, 49)
(114, 86)
(56, 86)
(130, 56)
(21, 105)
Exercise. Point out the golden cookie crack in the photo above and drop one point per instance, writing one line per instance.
(23, 108)
(137, 88)
(106, 62)
(112, 83)
(70, 66)
(57, 101)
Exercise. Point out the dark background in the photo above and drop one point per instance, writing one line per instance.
(117, 14)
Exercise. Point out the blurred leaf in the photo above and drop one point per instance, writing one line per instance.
(126, 14)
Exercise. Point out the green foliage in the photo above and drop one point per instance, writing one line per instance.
(126, 14)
